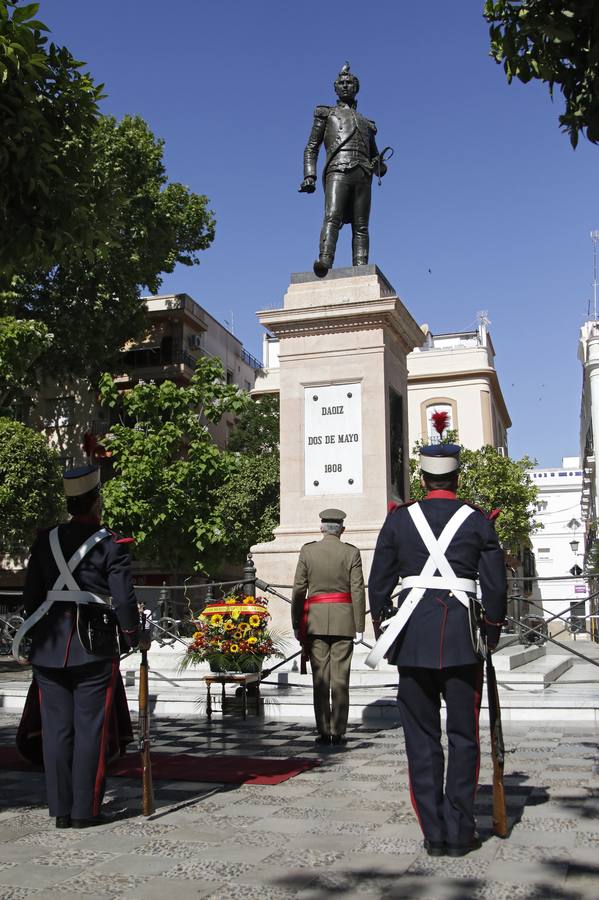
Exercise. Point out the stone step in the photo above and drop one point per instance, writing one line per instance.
(510, 658)
(536, 675)
(559, 702)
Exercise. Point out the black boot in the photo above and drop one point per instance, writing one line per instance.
(435, 848)
(63, 821)
(322, 266)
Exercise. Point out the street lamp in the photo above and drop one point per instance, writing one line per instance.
(574, 545)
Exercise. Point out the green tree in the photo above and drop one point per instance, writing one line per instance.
(557, 43)
(167, 466)
(91, 302)
(30, 487)
(22, 342)
(492, 481)
(48, 108)
(248, 501)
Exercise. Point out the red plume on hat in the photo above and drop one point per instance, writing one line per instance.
(93, 449)
(440, 420)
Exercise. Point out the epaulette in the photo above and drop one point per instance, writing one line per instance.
(479, 509)
(120, 540)
(392, 506)
(489, 516)
(321, 112)
(347, 544)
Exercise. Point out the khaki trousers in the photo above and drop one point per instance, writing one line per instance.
(330, 660)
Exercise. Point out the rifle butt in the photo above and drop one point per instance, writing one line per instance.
(500, 822)
(148, 806)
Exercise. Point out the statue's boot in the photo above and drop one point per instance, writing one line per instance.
(322, 266)
(328, 244)
(360, 250)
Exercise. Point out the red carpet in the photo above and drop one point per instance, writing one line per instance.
(184, 767)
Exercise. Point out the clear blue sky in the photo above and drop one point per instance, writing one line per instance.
(484, 190)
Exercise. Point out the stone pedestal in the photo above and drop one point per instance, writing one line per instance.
(343, 342)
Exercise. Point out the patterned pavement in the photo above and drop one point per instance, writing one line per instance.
(345, 829)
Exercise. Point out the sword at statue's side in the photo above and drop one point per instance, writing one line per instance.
(148, 806)
(500, 823)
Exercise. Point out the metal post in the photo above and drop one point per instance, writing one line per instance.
(249, 577)
(164, 605)
(208, 599)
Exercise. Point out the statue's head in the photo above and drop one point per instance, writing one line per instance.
(346, 84)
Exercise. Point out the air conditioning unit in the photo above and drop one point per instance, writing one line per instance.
(502, 451)
(195, 341)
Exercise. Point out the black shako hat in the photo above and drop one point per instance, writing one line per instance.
(81, 480)
(440, 459)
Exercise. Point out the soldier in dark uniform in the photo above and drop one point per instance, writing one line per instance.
(78, 591)
(352, 156)
(327, 613)
(438, 547)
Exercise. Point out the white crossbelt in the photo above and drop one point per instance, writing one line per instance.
(447, 580)
(65, 589)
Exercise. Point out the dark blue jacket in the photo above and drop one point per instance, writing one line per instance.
(437, 633)
(106, 571)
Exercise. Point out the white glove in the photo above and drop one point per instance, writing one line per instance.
(358, 637)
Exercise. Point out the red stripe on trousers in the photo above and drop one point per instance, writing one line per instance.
(413, 799)
(101, 770)
(478, 689)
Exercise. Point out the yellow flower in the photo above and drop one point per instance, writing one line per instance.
(234, 648)
(229, 625)
(237, 634)
(230, 600)
(252, 640)
(202, 617)
(235, 614)
(216, 619)
(254, 621)
(196, 635)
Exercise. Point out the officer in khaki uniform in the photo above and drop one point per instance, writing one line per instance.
(328, 609)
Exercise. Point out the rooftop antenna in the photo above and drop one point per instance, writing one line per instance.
(231, 320)
(595, 239)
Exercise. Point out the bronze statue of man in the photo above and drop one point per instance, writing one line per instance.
(352, 158)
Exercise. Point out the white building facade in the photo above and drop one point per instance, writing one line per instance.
(558, 549)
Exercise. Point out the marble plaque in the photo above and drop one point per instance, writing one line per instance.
(333, 439)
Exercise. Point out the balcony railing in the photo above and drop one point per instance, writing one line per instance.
(154, 359)
(250, 360)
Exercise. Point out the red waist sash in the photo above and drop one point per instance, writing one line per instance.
(303, 629)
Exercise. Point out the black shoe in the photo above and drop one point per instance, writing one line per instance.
(474, 843)
(321, 267)
(323, 739)
(63, 821)
(435, 848)
(339, 740)
(88, 823)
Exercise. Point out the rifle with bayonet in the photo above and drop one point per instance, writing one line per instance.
(500, 822)
(144, 724)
